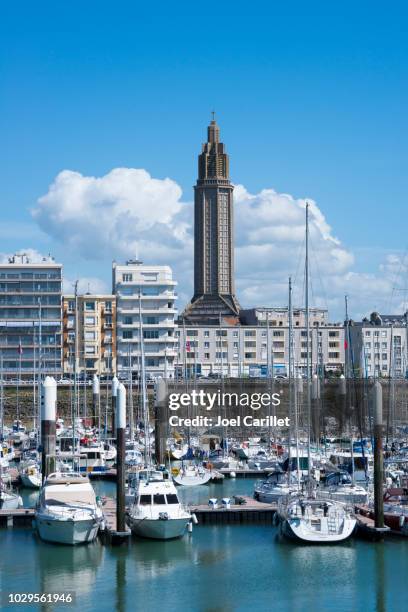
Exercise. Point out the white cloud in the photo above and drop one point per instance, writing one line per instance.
(121, 214)
(127, 213)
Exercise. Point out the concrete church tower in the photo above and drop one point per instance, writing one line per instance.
(214, 286)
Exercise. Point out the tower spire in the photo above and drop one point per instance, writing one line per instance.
(214, 286)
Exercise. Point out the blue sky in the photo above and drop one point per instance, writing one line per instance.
(311, 98)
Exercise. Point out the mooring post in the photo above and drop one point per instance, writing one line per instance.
(120, 458)
(96, 415)
(159, 414)
(48, 428)
(378, 456)
(115, 385)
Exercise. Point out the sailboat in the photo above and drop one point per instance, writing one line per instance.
(155, 511)
(302, 516)
(192, 475)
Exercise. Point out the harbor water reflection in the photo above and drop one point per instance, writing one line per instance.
(220, 567)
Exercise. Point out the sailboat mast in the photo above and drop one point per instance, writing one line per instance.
(347, 375)
(74, 406)
(290, 365)
(308, 377)
(143, 388)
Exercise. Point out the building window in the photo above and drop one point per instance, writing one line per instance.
(152, 320)
(89, 321)
(150, 334)
(368, 333)
(192, 332)
(127, 278)
(89, 305)
(127, 334)
(89, 363)
(206, 355)
(127, 320)
(333, 355)
(249, 333)
(108, 306)
(384, 334)
(250, 355)
(71, 305)
(206, 345)
(235, 334)
(90, 335)
(90, 350)
(221, 332)
(206, 333)
(384, 356)
(333, 334)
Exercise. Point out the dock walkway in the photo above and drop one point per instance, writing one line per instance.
(244, 510)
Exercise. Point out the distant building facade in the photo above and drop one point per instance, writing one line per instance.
(95, 317)
(152, 289)
(258, 350)
(30, 317)
(378, 346)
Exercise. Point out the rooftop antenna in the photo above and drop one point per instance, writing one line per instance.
(213, 115)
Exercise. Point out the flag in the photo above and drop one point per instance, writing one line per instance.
(188, 346)
(345, 345)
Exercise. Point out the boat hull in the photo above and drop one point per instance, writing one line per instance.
(30, 481)
(157, 529)
(70, 532)
(296, 529)
(193, 480)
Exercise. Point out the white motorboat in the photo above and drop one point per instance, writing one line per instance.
(89, 459)
(191, 475)
(315, 521)
(156, 512)
(67, 511)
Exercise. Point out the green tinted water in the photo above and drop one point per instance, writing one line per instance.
(227, 567)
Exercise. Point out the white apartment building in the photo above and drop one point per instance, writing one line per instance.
(153, 288)
(30, 317)
(379, 346)
(257, 350)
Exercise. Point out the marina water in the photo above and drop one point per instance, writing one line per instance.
(216, 568)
